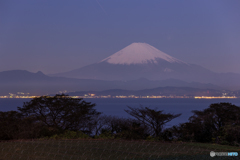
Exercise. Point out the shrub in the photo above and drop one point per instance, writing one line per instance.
(70, 135)
(105, 135)
(151, 138)
(224, 143)
(167, 135)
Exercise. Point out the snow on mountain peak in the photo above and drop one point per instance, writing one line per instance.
(139, 53)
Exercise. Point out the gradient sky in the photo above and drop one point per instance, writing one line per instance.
(56, 36)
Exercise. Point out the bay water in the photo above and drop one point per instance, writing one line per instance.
(116, 106)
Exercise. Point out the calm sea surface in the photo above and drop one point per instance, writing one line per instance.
(116, 106)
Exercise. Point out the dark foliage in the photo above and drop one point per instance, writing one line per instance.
(9, 124)
(13, 125)
(153, 119)
(60, 112)
(63, 117)
(121, 128)
(220, 122)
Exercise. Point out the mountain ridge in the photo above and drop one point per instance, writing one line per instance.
(39, 83)
(160, 67)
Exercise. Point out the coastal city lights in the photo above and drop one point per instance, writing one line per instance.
(205, 97)
(90, 95)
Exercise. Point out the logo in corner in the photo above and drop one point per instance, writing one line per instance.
(212, 153)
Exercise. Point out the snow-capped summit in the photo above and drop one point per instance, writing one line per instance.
(140, 60)
(139, 53)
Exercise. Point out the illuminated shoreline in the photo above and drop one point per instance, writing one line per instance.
(132, 96)
(204, 97)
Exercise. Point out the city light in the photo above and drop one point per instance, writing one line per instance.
(93, 95)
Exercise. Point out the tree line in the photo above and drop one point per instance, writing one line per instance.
(61, 116)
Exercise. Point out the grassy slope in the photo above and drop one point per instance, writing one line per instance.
(108, 149)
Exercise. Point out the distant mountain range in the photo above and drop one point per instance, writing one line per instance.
(39, 83)
(136, 67)
(141, 60)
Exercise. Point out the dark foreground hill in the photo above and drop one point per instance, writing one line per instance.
(110, 149)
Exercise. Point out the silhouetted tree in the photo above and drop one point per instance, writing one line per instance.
(102, 123)
(14, 126)
(151, 118)
(184, 131)
(221, 121)
(121, 128)
(113, 124)
(61, 112)
(131, 129)
(213, 119)
(9, 124)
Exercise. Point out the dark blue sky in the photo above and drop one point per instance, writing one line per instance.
(56, 36)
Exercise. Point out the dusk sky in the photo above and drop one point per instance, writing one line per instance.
(57, 36)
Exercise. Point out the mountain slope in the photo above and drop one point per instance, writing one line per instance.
(139, 60)
(39, 83)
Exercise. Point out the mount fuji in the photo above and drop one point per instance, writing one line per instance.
(141, 60)
(139, 53)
